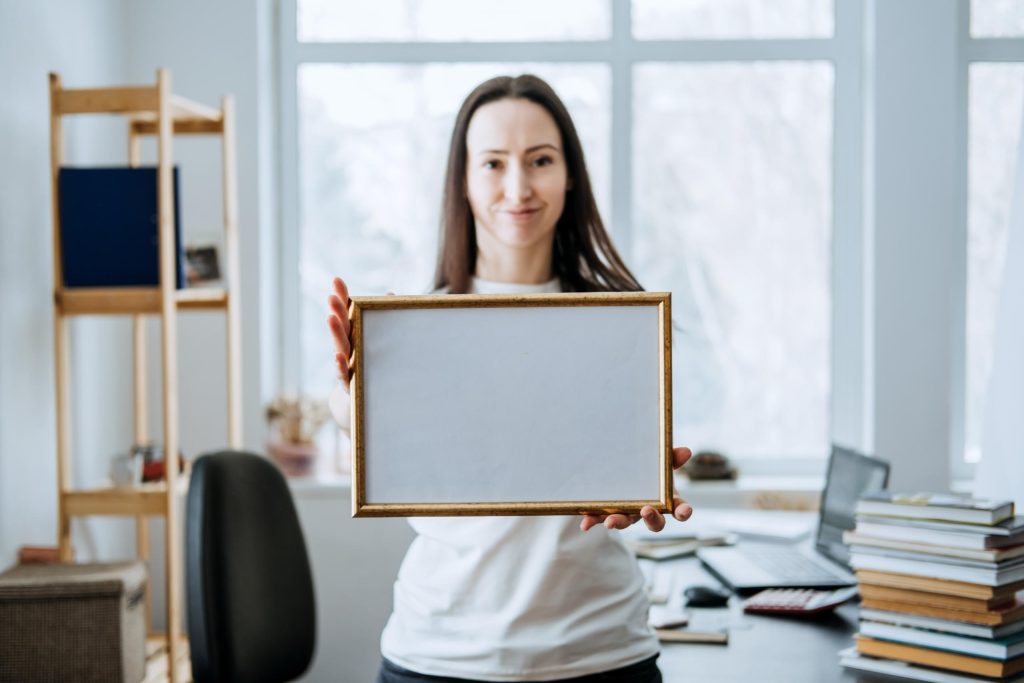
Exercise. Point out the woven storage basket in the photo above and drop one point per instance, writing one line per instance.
(73, 622)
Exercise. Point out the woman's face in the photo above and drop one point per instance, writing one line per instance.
(516, 176)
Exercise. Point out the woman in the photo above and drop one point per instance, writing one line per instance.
(517, 598)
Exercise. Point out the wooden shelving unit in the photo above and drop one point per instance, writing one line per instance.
(157, 658)
(150, 111)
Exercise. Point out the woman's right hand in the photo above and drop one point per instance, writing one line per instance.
(341, 330)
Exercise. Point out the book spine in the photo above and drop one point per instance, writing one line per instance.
(927, 569)
(917, 556)
(917, 535)
(917, 656)
(980, 618)
(909, 621)
(921, 546)
(901, 669)
(911, 636)
(939, 514)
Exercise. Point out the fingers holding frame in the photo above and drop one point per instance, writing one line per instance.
(655, 520)
(680, 456)
(681, 510)
(613, 521)
(340, 326)
(341, 291)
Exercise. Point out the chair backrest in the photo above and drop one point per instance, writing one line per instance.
(251, 607)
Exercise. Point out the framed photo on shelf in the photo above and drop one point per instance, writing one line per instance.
(202, 265)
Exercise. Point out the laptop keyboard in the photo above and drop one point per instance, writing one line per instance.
(784, 563)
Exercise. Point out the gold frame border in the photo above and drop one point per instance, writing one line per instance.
(360, 508)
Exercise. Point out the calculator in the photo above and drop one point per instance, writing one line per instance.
(797, 601)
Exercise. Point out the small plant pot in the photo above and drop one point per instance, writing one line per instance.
(294, 459)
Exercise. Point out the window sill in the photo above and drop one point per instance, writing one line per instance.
(776, 492)
(764, 492)
(754, 491)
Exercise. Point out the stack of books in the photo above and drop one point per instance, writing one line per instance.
(942, 584)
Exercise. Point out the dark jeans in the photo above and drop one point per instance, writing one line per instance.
(641, 672)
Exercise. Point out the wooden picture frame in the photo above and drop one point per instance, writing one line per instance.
(568, 396)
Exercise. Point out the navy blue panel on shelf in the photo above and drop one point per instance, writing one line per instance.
(108, 227)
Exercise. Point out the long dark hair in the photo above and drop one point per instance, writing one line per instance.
(584, 258)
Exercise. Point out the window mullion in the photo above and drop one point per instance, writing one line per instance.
(960, 469)
(419, 53)
(850, 402)
(621, 43)
(288, 316)
(622, 129)
(991, 49)
(740, 50)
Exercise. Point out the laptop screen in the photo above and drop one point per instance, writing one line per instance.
(850, 475)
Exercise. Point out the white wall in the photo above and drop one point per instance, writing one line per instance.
(83, 42)
(355, 562)
(915, 166)
(211, 50)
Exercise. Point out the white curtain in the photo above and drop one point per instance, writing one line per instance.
(1000, 474)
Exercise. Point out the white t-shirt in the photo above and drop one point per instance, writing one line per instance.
(515, 598)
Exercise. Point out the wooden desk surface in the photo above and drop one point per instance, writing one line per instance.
(761, 649)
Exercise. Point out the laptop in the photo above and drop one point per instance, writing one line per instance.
(749, 567)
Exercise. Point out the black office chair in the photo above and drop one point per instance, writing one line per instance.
(251, 607)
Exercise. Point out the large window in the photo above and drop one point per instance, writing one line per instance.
(732, 212)
(708, 128)
(995, 78)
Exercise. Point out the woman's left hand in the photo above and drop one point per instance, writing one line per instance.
(655, 521)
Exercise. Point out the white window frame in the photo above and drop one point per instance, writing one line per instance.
(850, 397)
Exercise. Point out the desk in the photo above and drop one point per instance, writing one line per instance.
(761, 648)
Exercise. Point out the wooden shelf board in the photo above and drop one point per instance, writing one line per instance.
(156, 661)
(148, 499)
(203, 297)
(108, 100)
(144, 102)
(184, 108)
(182, 126)
(134, 300)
